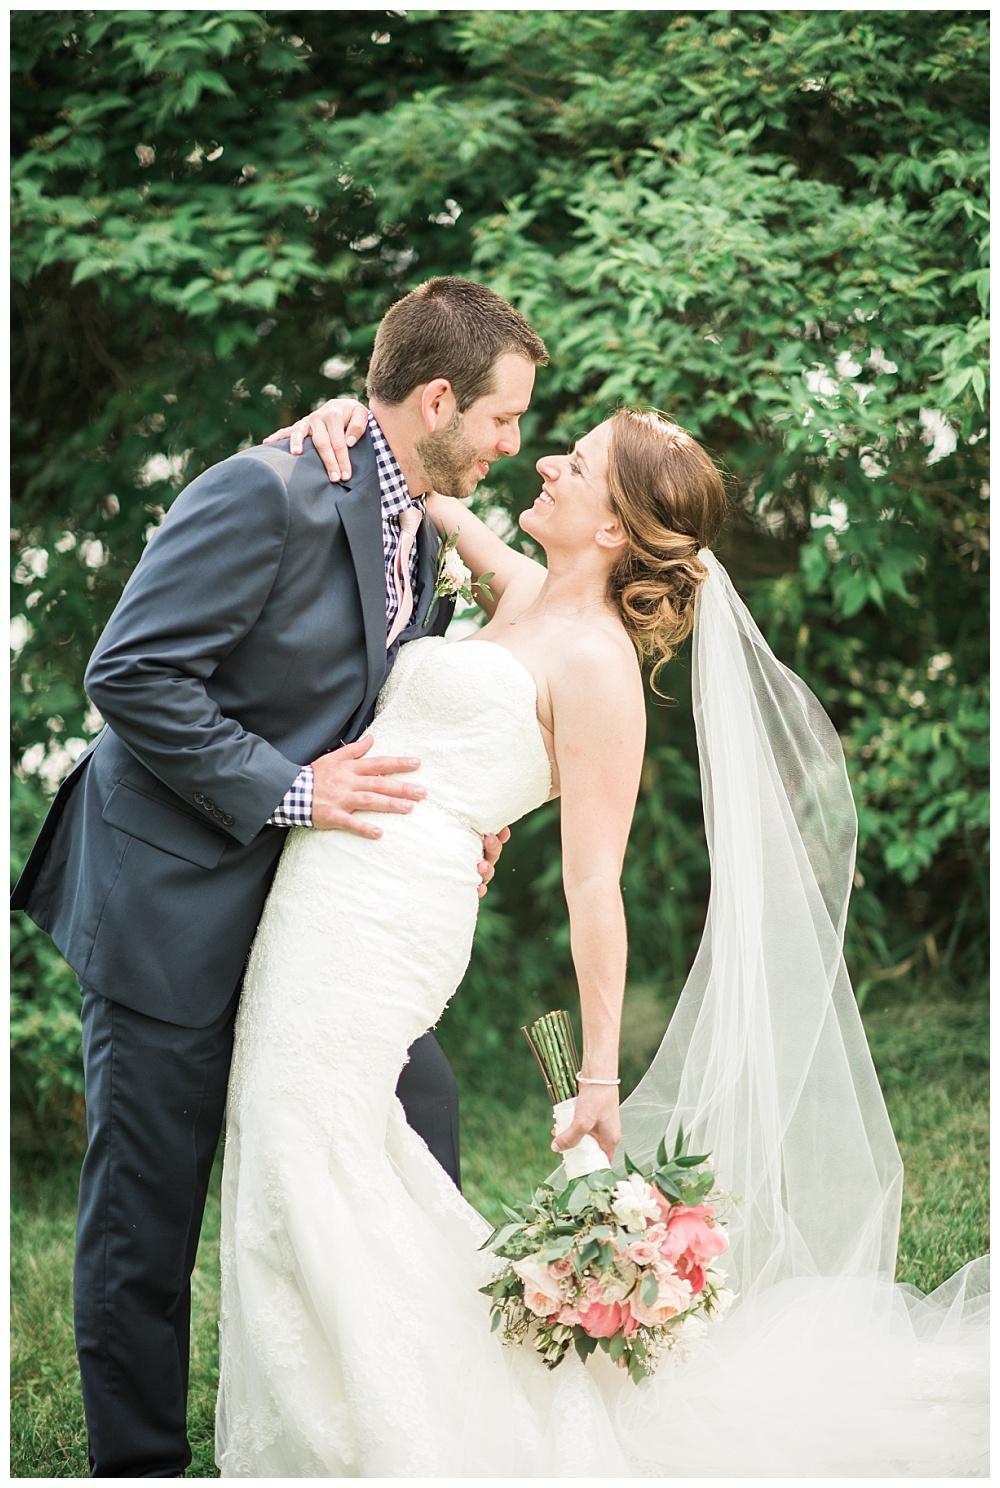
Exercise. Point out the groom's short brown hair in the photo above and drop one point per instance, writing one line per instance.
(448, 328)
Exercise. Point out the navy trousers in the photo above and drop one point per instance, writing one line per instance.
(156, 1095)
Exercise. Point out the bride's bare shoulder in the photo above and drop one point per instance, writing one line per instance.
(596, 660)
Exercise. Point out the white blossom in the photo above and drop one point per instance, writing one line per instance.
(633, 1203)
(336, 367)
(691, 1328)
(879, 362)
(846, 365)
(819, 381)
(20, 632)
(837, 517)
(456, 569)
(162, 467)
(938, 433)
(871, 465)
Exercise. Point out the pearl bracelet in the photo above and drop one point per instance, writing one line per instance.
(582, 1080)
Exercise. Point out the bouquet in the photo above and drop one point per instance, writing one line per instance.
(621, 1264)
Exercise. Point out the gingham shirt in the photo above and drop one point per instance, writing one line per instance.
(295, 809)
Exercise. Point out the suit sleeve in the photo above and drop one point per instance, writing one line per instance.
(198, 589)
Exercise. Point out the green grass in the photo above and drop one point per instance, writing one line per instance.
(931, 1057)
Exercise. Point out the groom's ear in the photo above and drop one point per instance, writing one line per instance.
(437, 404)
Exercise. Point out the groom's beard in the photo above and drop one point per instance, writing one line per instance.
(449, 459)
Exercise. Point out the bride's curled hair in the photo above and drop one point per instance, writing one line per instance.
(670, 499)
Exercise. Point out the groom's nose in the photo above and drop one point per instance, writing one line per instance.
(510, 441)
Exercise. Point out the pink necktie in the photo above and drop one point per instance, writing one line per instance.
(409, 525)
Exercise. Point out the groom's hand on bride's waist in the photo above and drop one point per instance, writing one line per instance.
(349, 780)
(345, 781)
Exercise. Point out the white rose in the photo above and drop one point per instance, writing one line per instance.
(690, 1328)
(455, 570)
(633, 1203)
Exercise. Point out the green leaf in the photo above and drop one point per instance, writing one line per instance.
(579, 1199)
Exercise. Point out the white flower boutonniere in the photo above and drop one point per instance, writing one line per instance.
(454, 579)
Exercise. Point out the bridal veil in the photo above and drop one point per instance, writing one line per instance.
(765, 1063)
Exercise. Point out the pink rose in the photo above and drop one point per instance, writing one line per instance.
(643, 1252)
(688, 1230)
(673, 1296)
(662, 1202)
(692, 1273)
(562, 1268)
(543, 1292)
(569, 1316)
(630, 1323)
(601, 1319)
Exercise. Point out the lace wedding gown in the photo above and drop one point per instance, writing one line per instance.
(354, 1340)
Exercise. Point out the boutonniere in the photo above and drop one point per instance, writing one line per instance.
(454, 579)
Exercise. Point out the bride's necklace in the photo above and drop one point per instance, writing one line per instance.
(557, 614)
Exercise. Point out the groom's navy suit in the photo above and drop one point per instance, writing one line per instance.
(249, 641)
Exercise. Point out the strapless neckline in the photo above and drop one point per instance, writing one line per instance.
(519, 666)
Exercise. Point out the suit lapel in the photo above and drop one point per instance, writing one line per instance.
(361, 513)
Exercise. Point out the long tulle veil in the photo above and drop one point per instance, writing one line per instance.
(765, 1061)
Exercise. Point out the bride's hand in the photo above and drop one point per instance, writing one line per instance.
(596, 1114)
(333, 428)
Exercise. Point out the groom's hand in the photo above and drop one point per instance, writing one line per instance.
(492, 848)
(345, 782)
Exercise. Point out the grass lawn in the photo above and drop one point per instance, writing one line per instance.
(931, 1058)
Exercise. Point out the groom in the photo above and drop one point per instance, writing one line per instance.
(236, 677)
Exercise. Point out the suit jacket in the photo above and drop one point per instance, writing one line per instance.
(249, 640)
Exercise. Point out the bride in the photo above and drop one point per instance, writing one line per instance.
(354, 1339)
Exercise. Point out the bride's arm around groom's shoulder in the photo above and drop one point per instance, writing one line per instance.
(484, 553)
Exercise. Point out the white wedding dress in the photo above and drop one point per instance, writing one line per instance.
(354, 1339)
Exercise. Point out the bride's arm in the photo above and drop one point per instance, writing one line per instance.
(599, 724)
(483, 552)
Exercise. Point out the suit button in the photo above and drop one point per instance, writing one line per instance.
(199, 799)
(209, 805)
(227, 820)
(218, 813)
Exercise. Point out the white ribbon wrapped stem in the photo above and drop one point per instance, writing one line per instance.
(587, 1156)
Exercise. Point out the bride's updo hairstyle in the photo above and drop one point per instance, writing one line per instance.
(670, 499)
